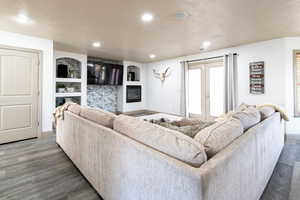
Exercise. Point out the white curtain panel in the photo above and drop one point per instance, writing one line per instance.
(184, 93)
(230, 61)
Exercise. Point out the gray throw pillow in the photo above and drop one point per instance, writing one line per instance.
(249, 117)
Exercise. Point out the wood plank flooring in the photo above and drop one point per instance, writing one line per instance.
(39, 170)
(280, 185)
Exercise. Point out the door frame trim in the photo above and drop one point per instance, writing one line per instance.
(40, 81)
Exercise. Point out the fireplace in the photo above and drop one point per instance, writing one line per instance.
(133, 93)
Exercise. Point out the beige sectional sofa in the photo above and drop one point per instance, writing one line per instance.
(125, 158)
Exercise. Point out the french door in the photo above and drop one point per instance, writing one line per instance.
(206, 88)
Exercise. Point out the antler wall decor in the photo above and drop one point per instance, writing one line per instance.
(162, 75)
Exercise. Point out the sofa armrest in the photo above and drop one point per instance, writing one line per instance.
(243, 169)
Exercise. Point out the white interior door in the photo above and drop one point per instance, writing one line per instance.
(18, 95)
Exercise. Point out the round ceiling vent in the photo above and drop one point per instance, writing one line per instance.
(181, 15)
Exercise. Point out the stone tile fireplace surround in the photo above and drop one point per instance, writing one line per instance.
(103, 96)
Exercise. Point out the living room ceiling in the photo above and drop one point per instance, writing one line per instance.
(179, 27)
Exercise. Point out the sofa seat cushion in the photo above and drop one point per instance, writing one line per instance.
(249, 117)
(98, 116)
(219, 135)
(189, 127)
(170, 142)
(266, 111)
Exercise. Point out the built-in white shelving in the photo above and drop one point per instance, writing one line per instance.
(74, 94)
(133, 83)
(70, 80)
(70, 77)
(139, 71)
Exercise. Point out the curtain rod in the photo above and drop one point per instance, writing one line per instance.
(203, 59)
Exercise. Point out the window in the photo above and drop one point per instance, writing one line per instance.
(206, 88)
(195, 91)
(297, 82)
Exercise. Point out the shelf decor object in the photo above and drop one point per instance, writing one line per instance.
(133, 73)
(68, 68)
(162, 75)
(257, 77)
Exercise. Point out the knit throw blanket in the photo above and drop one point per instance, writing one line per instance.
(59, 111)
(282, 112)
(189, 127)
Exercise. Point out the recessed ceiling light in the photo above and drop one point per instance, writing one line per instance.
(97, 44)
(23, 19)
(206, 44)
(152, 56)
(147, 17)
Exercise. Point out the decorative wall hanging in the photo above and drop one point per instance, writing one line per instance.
(257, 77)
(162, 75)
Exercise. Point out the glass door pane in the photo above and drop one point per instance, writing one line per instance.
(216, 90)
(195, 90)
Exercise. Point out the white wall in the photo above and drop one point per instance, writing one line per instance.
(46, 46)
(291, 44)
(166, 97)
(278, 57)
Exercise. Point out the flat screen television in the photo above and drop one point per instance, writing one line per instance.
(104, 74)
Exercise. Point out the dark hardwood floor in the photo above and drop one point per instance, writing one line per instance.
(39, 170)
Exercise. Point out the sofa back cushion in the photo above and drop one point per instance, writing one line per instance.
(249, 117)
(74, 108)
(98, 116)
(219, 135)
(266, 111)
(170, 142)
